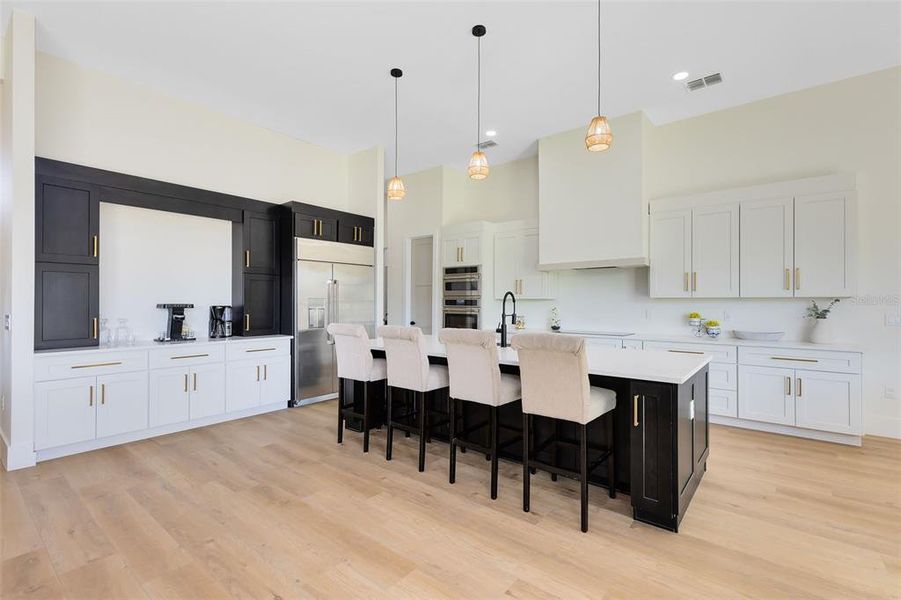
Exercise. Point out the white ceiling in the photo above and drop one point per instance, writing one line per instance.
(318, 71)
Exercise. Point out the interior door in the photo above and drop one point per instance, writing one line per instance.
(670, 254)
(123, 403)
(765, 394)
(207, 390)
(64, 412)
(821, 246)
(315, 365)
(421, 284)
(714, 251)
(766, 256)
(168, 396)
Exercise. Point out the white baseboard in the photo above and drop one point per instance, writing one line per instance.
(143, 434)
(888, 426)
(19, 456)
(812, 434)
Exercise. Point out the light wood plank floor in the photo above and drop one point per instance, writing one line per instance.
(271, 507)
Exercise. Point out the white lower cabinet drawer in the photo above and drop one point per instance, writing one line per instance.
(828, 401)
(49, 366)
(257, 349)
(720, 353)
(722, 402)
(603, 343)
(723, 377)
(810, 360)
(186, 355)
(64, 412)
(633, 344)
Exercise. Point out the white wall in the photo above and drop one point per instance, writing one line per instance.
(849, 126)
(17, 243)
(86, 117)
(366, 196)
(151, 256)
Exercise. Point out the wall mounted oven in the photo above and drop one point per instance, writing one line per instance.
(462, 297)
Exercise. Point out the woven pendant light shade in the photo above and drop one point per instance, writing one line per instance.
(599, 137)
(478, 165)
(396, 189)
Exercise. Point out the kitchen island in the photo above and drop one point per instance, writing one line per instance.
(661, 428)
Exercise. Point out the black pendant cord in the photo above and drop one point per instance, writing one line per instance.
(395, 126)
(599, 57)
(479, 95)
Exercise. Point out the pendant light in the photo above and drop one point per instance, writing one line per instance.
(599, 137)
(478, 162)
(396, 189)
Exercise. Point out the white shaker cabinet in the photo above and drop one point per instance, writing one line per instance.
(714, 251)
(823, 245)
(276, 384)
(671, 254)
(243, 389)
(169, 396)
(765, 394)
(64, 412)
(123, 405)
(516, 267)
(828, 401)
(767, 248)
(462, 250)
(207, 395)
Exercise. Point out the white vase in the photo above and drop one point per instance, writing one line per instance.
(821, 331)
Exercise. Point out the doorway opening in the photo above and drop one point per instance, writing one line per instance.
(421, 280)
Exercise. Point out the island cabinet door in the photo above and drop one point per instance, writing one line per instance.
(651, 449)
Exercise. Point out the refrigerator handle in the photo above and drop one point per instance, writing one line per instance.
(328, 311)
(336, 299)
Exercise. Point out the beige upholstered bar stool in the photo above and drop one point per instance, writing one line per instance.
(356, 363)
(554, 373)
(409, 369)
(475, 376)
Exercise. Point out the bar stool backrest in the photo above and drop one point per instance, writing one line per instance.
(472, 364)
(553, 369)
(352, 349)
(408, 363)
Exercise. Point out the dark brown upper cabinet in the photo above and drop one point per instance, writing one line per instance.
(261, 305)
(261, 243)
(356, 231)
(66, 305)
(316, 227)
(67, 221)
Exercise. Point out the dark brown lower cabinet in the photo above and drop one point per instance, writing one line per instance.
(261, 304)
(668, 448)
(66, 303)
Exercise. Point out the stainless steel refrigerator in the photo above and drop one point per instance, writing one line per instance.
(335, 283)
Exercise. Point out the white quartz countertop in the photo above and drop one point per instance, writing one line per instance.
(150, 344)
(647, 365)
(722, 340)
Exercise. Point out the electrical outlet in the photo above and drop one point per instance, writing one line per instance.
(893, 319)
(726, 315)
(889, 393)
(647, 314)
(6, 322)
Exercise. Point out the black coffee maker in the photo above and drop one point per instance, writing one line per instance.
(175, 323)
(220, 321)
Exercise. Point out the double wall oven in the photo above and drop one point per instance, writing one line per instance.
(462, 297)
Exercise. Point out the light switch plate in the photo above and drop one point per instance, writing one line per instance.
(893, 319)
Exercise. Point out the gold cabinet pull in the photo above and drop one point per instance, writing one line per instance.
(95, 240)
(797, 278)
(694, 281)
(788, 386)
(261, 350)
(247, 258)
(265, 372)
(187, 356)
(91, 395)
(685, 282)
(246, 322)
(93, 365)
(686, 351)
(102, 393)
(195, 382)
(258, 372)
(94, 332)
(186, 382)
(635, 410)
(798, 387)
(788, 276)
(794, 358)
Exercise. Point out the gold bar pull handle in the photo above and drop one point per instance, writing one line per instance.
(788, 386)
(258, 372)
(265, 372)
(797, 278)
(95, 243)
(686, 351)
(195, 382)
(94, 328)
(798, 387)
(102, 393)
(247, 258)
(795, 358)
(694, 281)
(685, 282)
(788, 277)
(93, 365)
(635, 410)
(91, 395)
(246, 322)
(186, 382)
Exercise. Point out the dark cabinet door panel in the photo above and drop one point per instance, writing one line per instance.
(260, 304)
(652, 461)
(67, 221)
(66, 299)
(315, 227)
(355, 231)
(260, 243)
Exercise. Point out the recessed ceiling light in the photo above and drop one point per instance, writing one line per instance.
(680, 76)
(491, 133)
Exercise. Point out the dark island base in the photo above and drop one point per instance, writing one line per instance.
(660, 457)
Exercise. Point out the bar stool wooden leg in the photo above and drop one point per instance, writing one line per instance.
(554, 448)
(611, 461)
(407, 395)
(526, 456)
(390, 432)
(493, 446)
(340, 411)
(422, 430)
(365, 416)
(452, 427)
(583, 475)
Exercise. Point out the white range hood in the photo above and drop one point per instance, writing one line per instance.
(592, 207)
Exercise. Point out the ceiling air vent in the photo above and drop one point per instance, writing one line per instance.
(703, 82)
(487, 144)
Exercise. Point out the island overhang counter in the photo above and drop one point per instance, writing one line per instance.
(661, 425)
